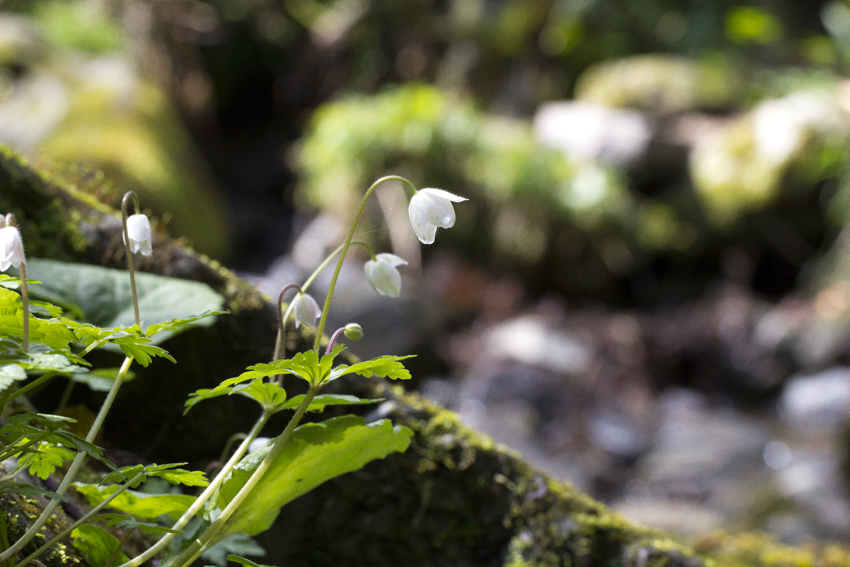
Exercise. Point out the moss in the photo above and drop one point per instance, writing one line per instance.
(760, 550)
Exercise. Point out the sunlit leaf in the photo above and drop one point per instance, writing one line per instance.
(245, 562)
(168, 472)
(315, 453)
(101, 380)
(137, 503)
(382, 366)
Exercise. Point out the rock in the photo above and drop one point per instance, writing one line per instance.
(817, 401)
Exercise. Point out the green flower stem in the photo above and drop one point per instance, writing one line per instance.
(118, 548)
(128, 251)
(326, 308)
(82, 520)
(209, 536)
(280, 346)
(72, 470)
(37, 382)
(205, 495)
(26, 303)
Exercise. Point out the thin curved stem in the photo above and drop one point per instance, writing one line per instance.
(128, 251)
(209, 536)
(26, 303)
(205, 495)
(317, 343)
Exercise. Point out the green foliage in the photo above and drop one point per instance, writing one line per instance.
(126, 523)
(309, 367)
(137, 503)
(98, 545)
(315, 453)
(101, 380)
(166, 472)
(48, 332)
(77, 24)
(102, 297)
(46, 457)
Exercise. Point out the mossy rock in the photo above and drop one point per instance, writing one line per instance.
(454, 498)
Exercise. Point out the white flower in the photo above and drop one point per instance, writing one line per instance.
(431, 209)
(139, 232)
(306, 310)
(11, 248)
(383, 275)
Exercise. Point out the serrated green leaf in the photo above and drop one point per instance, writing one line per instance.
(49, 332)
(204, 394)
(103, 295)
(382, 366)
(138, 503)
(168, 472)
(268, 394)
(323, 400)
(47, 458)
(140, 349)
(315, 453)
(97, 545)
(177, 325)
(10, 487)
(45, 309)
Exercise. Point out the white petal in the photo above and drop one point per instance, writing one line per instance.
(11, 248)
(440, 211)
(139, 233)
(391, 259)
(443, 194)
(419, 220)
(306, 310)
(383, 278)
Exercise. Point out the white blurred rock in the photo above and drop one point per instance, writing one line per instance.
(818, 400)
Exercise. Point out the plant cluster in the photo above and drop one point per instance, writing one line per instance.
(38, 343)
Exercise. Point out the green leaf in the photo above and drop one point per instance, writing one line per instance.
(268, 394)
(9, 487)
(235, 543)
(46, 458)
(166, 472)
(321, 401)
(204, 394)
(49, 332)
(138, 503)
(101, 380)
(383, 367)
(304, 365)
(11, 373)
(176, 325)
(97, 545)
(104, 298)
(140, 349)
(245, 562)
(315, 453)
(127, 523)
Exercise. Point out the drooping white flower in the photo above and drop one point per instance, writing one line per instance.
(431, 209)
(139, 232)
(383, 275)
(11, 248)
(306, 310)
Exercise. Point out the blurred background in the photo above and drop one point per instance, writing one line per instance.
(648, 291)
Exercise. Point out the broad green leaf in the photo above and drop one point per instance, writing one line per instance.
(101, 380)
(304, 365)
(127, 523)
(245, 562)
(44, 309)
(321, 401)
(45, 331)
(97, 545)
(315, 453)
(11, 373)
(168, 473)
(137, 503)
(104, 298)
(140, 349)
(327, 362)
